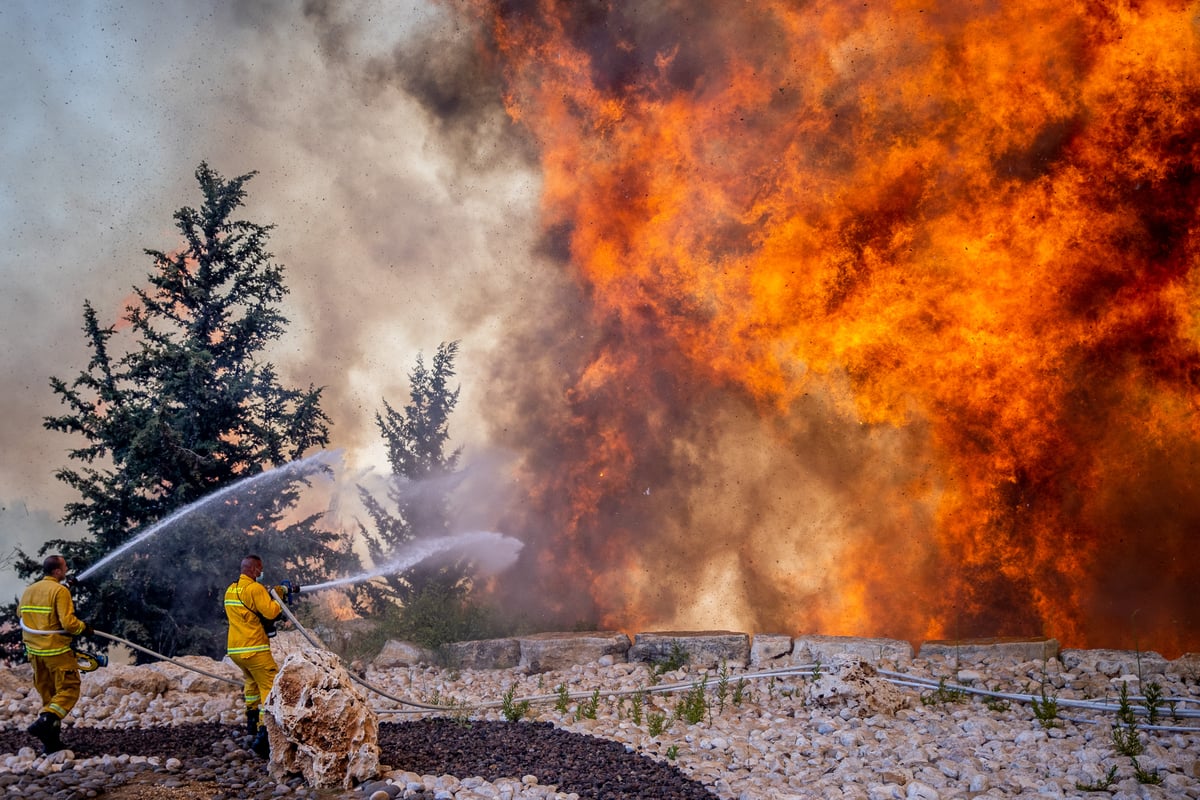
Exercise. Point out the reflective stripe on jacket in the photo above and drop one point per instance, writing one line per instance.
(47, 606)
(242, 600)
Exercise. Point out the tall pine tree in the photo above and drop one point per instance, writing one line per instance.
(187, 407)
(433, 598)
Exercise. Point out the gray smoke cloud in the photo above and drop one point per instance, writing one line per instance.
(404, 213)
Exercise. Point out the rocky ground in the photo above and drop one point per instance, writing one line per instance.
(836, 730)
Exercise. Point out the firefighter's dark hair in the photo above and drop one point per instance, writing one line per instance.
(51, 563)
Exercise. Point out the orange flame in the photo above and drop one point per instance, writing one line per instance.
(973, 226)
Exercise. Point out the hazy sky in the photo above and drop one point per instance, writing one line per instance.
(400, 225)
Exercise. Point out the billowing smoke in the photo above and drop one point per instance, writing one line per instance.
(890, 316)
(845, 318)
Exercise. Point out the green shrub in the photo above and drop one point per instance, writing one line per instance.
(510, 707)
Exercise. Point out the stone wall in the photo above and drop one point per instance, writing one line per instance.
(549, 651)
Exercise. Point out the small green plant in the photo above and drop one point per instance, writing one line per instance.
(513, 709)
(459, 711)
(673, 661)
(587, 708)
(1103, 785)
(943, 695)
(1126, 740)
(1124, 734)
(1125, 713)
(693, 706)
(997, 704)
(1046, 709)
(635, 706)
(816, 670)
(563, 703)
(1151, 778)
(1152, 692)
(722, 686)
(656, 723)
(771, 688)
(673, 752)
(740, 694)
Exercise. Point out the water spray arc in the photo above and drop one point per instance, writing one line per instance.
(492, 552)
(291, 468)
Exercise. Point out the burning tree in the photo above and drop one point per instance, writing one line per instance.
(187, 408)
(433, 597)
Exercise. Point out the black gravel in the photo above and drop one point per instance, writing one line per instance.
(589, 766)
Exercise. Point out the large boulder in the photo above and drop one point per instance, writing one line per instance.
(15, 682)
(484, 654)
(119, 680)
(398, 653)
(770, 649)
(820, 649)
(702, 648)
(542, 652)
(850, 682)
(319, 724)
(995, 650)
(182, 676)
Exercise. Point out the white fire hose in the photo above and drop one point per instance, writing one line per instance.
(320, 646)
(896, 678)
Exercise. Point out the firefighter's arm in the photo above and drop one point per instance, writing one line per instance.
(65, 608)
(263, 602)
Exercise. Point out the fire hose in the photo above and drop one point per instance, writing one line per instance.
(90, 661)
(896, 678)
(320, 646)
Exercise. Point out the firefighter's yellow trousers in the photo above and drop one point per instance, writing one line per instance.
(258, 672)
(56, 679)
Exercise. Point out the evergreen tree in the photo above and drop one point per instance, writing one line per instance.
(433, 597)
(183, 410)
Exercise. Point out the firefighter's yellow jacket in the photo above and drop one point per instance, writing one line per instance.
(244, 601)
(47, 606)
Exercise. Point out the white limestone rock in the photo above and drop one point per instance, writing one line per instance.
(852, 683)
(1113, 663)
(319, 724)
(485, 654)
(145, 680)
(824, 649)
(542, 652)
(396, 653)
(703, 648)
(185, 679)
(766, 648)
(994, 650)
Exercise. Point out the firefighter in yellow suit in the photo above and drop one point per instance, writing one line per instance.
(252, 613)
(48, 622)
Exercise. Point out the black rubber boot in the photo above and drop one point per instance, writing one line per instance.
(251, 721)
(262, 744)
(46, 728)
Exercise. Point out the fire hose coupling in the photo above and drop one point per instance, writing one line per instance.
(287, 590)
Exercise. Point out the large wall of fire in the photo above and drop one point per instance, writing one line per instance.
(888, 313)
